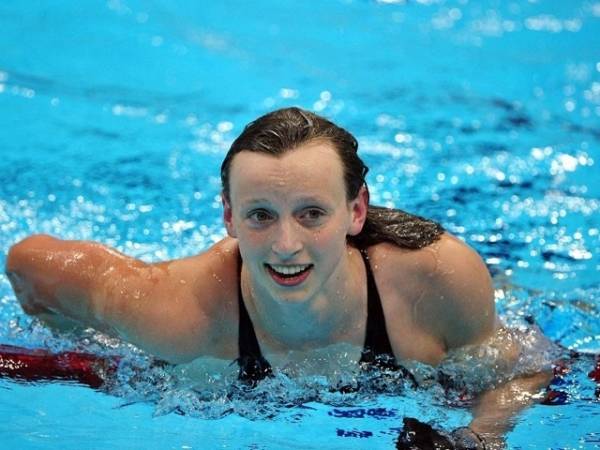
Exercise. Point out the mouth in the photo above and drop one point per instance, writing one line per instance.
(289, 275)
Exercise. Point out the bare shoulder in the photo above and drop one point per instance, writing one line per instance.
(206, 309)
(185, 308)
(212, 273)
(445, 286)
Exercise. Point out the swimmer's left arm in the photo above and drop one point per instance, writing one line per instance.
(494, 415)
(465, 314)
(495, 410)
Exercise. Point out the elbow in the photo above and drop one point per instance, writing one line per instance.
(24, 271)
(20, 253)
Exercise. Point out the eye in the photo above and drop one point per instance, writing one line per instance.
(260, 216)
(313, 215)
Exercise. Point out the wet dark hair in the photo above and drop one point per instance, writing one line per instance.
(285, 129)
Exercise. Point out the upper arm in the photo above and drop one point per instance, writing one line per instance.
(459, 303)
(168, 308)
(54, 276)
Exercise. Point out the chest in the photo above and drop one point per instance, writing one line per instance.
(389, 306)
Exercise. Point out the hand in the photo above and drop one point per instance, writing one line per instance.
(416, 435)
(466, 438)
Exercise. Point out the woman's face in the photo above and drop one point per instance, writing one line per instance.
(291, 217)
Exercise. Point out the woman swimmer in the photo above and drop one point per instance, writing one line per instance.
(307, 264)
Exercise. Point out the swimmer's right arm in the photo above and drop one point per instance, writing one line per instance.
(162, 308)
(52, 277)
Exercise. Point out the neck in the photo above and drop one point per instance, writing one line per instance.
(327, 318)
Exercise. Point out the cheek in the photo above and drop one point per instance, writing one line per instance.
(251, 242)
(330, 240)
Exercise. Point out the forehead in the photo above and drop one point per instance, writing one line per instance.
(313, 169)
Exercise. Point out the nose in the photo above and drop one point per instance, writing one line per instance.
(287, 241)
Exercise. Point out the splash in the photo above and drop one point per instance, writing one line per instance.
(509, 354)
(208, 388)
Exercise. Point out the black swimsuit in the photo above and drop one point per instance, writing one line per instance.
(377, 351)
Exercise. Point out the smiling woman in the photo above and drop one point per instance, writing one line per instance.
(480, 115)
(294, 273)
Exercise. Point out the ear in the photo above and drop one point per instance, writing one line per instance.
(358, 210)
(228, 217)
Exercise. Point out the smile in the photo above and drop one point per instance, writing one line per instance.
(291, 275)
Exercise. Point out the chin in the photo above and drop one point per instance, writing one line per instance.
(284, 296)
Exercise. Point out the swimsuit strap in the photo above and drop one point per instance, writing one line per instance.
(377, 348)
(377, 352)
(253, 366)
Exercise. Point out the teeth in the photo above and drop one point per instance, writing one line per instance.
(289, 270)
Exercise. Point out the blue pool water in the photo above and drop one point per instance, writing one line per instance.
(115, 116)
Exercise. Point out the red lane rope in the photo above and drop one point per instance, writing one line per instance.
(25, 364)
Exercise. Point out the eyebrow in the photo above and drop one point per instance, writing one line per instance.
(254, 201)
(307, 199)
